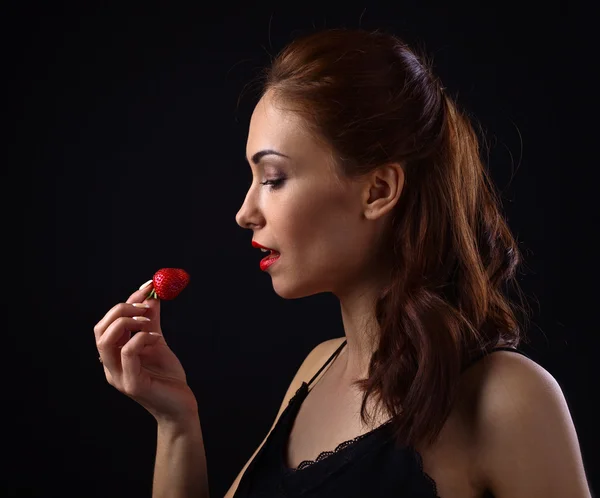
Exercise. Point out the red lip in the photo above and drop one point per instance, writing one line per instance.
(259, 246)
(268, 261)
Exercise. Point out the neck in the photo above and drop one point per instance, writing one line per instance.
(361, 331)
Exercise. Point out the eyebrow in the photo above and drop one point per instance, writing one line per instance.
(266, 152)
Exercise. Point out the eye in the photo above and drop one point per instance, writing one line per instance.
(274, 183)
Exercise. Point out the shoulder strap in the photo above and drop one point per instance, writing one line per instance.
(334, 355)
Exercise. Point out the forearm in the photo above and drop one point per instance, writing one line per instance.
(180, 469)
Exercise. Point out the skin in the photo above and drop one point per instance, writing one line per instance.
(510, 430)
(326, 229)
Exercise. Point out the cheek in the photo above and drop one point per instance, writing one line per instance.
(342, 237)
(298, 218)
(331, 238)
(316, 224)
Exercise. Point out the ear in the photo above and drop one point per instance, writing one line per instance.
(382, 190)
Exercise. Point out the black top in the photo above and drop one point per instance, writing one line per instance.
(370, 465)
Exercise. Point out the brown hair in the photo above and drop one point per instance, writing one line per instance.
(375, 101)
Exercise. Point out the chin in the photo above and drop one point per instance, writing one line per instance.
(289, 289)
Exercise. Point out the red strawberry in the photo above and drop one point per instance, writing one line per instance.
(168, 283)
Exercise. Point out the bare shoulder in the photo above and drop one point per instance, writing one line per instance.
(502, 378)
(507, 382)
(310, 366)
(317, 357)
(328, 347)
(523, 429)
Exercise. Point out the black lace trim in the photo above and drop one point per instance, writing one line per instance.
(418, 458)
(307, 463)
(427, 477)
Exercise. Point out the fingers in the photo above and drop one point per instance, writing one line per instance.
(128, 309)
(116, 336)
(130, 358)
(113, 331)
(140, 296)
(117, 311)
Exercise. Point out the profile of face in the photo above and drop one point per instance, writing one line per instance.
(326, 230)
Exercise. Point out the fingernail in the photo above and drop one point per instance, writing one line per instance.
(140, 305)
(141, 318)
(154, 333)
(146, 284)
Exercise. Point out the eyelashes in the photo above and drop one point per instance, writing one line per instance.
(274, 184)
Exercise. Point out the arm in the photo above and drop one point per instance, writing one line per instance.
(527, 440)
(180, 468)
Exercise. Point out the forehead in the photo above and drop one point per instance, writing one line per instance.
(272, 127)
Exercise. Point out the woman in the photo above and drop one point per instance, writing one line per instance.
(367, 183)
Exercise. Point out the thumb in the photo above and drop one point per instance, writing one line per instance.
(130, 353)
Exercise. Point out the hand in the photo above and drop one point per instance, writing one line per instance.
(143, 367)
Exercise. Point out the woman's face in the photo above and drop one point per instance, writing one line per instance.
(303, 211)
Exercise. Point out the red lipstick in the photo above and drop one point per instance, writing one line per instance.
(268, 260)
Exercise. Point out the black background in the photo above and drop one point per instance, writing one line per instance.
(126, 154)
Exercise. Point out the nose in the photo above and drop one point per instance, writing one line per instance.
(247, 216)
(240, 218)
